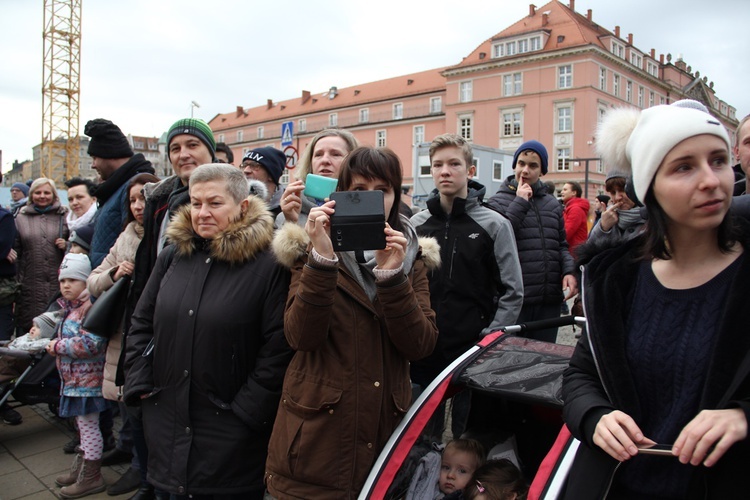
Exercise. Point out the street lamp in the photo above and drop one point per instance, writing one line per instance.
(193, 105)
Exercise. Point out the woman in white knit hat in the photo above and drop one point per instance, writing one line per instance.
(666, 356)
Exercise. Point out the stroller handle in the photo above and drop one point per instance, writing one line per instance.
(545, 323)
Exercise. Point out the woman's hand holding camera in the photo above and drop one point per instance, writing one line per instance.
(318, 228)
(619, 436)
(717, 429)
(392, 256)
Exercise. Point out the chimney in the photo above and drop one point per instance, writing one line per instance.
(544, 19)
(240, 112)
(630, 39)
(588, 15)
(653, 53)
(305, 96)
(661, 58)
(617, 31)
(532, 10)
(572, 5)
(269, 103)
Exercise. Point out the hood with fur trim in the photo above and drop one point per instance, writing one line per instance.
(239, 242)
(292, 242)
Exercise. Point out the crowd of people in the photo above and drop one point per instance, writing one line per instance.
(253, 360)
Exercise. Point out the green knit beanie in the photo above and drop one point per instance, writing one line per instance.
(196, 127)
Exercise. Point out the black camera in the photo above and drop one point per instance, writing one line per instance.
(359, 221)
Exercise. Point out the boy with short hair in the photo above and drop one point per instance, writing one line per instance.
(537, 221)
(478, 288)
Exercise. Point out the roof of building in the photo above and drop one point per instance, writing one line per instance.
(356, 95)
(565, 27)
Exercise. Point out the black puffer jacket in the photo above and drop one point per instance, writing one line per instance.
(540, 235)
(214, 311)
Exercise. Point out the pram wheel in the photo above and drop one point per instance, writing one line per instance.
(54, 408)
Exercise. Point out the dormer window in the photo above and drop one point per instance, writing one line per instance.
(618, 49)
(517, 46)
(636, 60)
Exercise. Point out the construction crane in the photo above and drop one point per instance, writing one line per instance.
(61, 89)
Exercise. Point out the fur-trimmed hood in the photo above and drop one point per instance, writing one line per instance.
(291, 243)
(239, 242)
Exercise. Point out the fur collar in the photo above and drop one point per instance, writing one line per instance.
(242, 240)
(291, 243)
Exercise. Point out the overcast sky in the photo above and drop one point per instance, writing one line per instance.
(144, 61)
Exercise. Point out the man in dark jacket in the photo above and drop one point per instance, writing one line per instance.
(538, 225)
(478, 288)
(114, 161)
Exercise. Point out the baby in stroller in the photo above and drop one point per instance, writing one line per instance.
(19, 354)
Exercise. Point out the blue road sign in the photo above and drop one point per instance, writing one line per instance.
(287, 133)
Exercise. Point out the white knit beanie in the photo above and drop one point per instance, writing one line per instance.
(75, 266)
(638, 141)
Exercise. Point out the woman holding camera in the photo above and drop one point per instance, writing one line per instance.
(355, 320)
(323, 156)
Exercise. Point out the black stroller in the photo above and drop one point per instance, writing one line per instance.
(38, 382)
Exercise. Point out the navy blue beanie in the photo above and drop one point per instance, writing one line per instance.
(535, 146)
(273, 160)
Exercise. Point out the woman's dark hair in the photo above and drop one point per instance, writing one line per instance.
(655, 242)
(77, 181)
(144, 178)
(375, 163)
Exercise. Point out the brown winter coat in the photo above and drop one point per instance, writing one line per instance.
(347, 386)
(38, 259)
(100, 281)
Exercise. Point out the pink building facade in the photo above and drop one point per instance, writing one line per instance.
(550, 77)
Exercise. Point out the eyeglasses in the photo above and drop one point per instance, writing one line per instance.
(252, 166)
(219, 160)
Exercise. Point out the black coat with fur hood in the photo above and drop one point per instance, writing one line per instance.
(214, 311)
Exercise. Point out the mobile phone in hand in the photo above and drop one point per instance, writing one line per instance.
(656, 449)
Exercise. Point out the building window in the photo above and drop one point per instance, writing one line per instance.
(617, 49)
(650, 99)
(661, 99)
(652, 69)
(436, 105)
(563, 159)
(616, 85)
(380, 138)
(512, 123)
(221, 137)
(465, 90)
(333, 120)
(565, 76)
(523, 46)
(636, 60)
(510, 49)
(239, 136)
(364, 115)
(398, 111)
(512, 84)
(418, 134)
(629, 91)
(640, 96)
(564, 119)
(475, 162)
(425, 168)
(497, 170)
(536, 43)
(603, 79)
(465, 128)
(302, 125)
(498, 50)
(260, 132)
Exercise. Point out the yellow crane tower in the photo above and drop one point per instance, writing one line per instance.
(61, 89)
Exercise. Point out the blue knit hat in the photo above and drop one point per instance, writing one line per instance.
(537, 148)
(21, 186)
